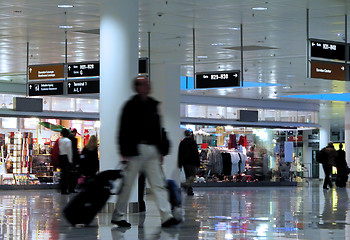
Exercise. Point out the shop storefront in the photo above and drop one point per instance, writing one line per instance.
(267, 146)
(26, 144)
(248, 154)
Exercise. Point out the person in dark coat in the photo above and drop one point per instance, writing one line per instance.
(331, 154)
(73, 176)
(342, 167)
(188, 158)
(74, 140)
(89, 163)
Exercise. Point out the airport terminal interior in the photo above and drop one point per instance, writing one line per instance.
(262, 84)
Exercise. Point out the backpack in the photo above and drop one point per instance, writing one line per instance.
(321, 156)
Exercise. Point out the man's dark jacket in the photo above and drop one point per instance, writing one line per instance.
(188, 153)
(140, 123)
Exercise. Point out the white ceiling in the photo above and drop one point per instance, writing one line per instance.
(282, 27)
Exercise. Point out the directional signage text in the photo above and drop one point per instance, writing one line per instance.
(329, 50)
(48, 88)
(80, 87)
(218, 79)
(38, 72)
(84, 69)
(327, 70)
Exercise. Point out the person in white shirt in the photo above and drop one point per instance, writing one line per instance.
(65, 159)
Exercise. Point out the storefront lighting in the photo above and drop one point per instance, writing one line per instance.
(97, 124)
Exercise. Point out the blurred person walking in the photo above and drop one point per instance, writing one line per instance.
(140, 145)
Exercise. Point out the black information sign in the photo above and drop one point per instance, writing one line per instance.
(80, 87)
(47, 88)
(218, 79)
(91, 69)
(327, 49)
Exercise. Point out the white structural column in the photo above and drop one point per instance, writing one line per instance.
(307, 151)
(165, 80)
(325, 131)
(119, 65)
(347, 132)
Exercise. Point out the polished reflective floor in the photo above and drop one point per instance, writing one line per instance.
(304, 212)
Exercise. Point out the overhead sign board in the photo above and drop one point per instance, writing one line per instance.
(91, 69)
(218, 79)
(327, 49)
(81, 87)
(47, 88)
(44, 72)
(327, 70)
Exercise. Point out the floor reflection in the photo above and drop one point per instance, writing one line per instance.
(306, 212)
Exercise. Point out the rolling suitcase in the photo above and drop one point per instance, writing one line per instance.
(86, 204)
(174, 193)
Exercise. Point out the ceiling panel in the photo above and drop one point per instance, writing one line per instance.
(171, 23)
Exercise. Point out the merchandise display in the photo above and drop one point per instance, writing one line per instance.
(247, 155)
(25, 154)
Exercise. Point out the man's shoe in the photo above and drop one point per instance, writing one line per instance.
(121, 223)
(171, 222)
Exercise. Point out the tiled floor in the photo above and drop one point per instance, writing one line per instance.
(305, 212)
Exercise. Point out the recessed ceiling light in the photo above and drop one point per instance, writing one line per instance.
(202, 57)
(259, 8)
(65, 27)
(217, 44)
(65, 6)
(235, 28)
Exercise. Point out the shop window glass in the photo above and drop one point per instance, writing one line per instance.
(47, 103)
(196, 111)
(231, 113)
(87, 105)
(270, 115)
(63, 104)
(6, 101)
(216, 112)
(30, 123)
(285, 116)
(9, 123)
